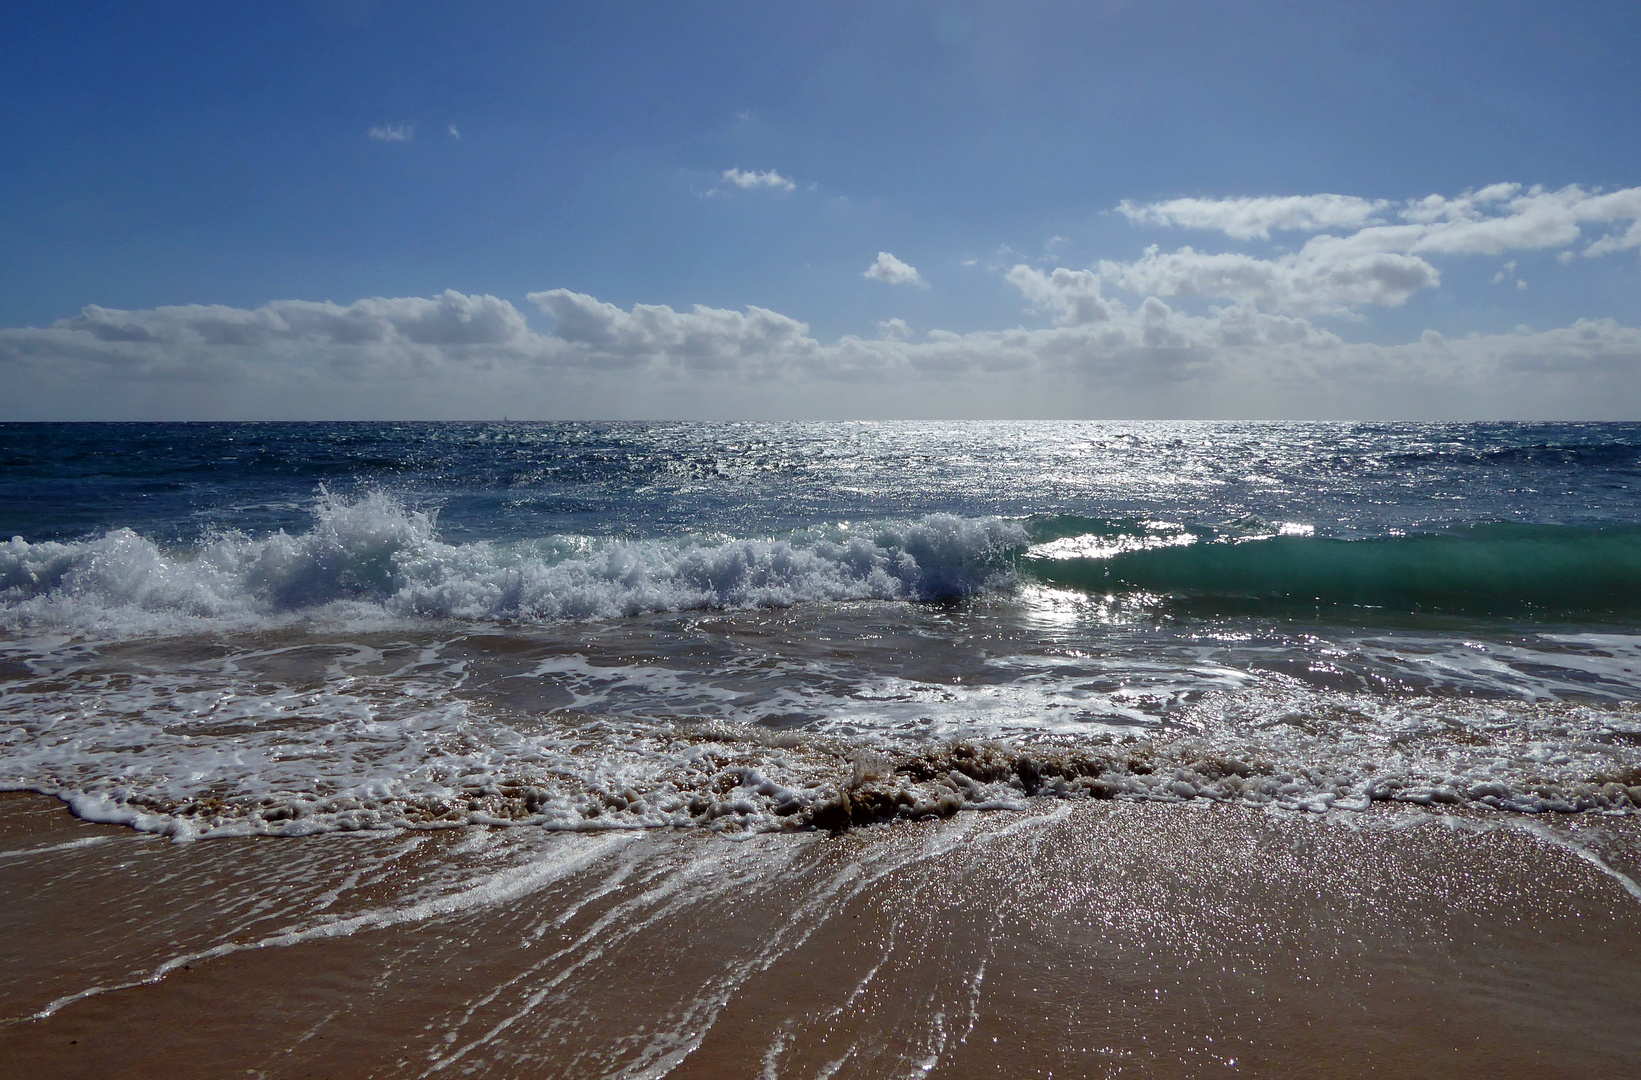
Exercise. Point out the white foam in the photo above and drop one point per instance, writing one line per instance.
(484, 890)
(70, 845)
(372, 558)
(209, 739)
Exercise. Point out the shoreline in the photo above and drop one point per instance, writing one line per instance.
(1082, 938)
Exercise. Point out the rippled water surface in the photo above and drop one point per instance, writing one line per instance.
(294, 628)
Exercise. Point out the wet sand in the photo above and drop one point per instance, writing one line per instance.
(1076, 939)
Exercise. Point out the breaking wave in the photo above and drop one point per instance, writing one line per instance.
(373, 555)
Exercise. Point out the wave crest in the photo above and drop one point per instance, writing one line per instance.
(1485, 569)
(375, 552)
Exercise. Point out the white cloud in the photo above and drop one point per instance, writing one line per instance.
(1433, 208)
(454, 134)
(1076, 298)
(771, 180)
(286, 358)
(1321, 278)
(455, 354)
(1535, 220)
(1114, 345)
(1489, 221)
(588, 332)
(1529, 223)
(1250, 218)
(450, 319)
(392, 132)
(1606, 245)
(1073, 294)
(892, 271)
(1365, 261)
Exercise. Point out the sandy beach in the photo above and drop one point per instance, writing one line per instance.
(881, 541)
(1075, 939)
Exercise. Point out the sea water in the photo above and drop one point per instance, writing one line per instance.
(286, 629)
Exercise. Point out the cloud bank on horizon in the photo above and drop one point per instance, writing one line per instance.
(1180, 332)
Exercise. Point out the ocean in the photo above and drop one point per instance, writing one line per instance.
(509, 653)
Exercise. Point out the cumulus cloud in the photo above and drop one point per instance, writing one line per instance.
(892, 271)
(589, 332)
(1184, 332)
(392, 133)
(1606, 245)
(456, 354)
(1487, 221)
(447, 320)
(1502, 218)
(1249, 218)
(770, 180)
(1368, 253)
(1466, 207)
(383, 356)
(1073, 295)
(1321, 278)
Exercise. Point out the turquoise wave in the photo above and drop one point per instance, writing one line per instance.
(1485, 569)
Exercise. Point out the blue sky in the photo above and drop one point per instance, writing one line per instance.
(361, 209)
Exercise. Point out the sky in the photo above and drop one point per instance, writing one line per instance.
(369, 209)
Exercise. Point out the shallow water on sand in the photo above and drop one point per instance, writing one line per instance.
(1087, 939)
